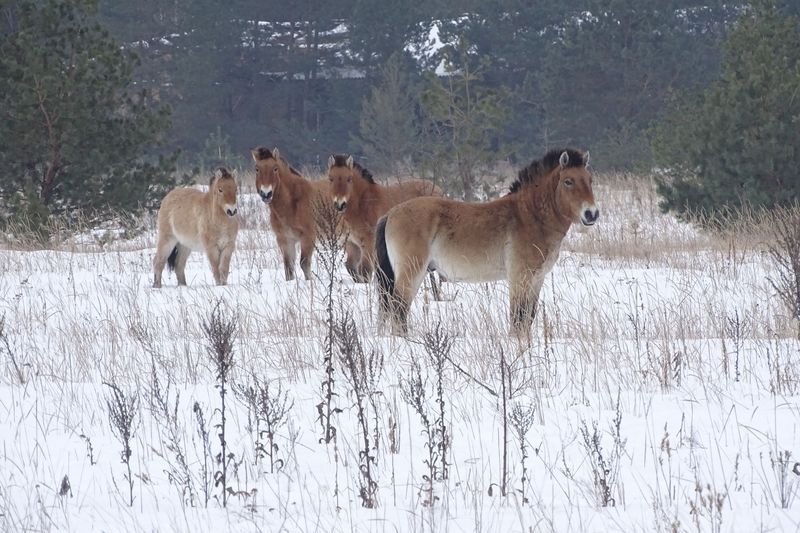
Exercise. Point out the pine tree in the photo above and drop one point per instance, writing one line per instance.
(739, 141)
(73, 135)
(462, 120)
(389, 127)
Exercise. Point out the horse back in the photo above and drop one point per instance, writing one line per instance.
(409, 189)
(182, 206)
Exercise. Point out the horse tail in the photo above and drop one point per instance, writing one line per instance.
(173, 257)
(385, 272)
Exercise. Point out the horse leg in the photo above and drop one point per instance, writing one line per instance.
(524, 301)
(367, 264)
(166, 244)
(306, 252)
(225, 263)
(180, 263)
(289, 252)
(436, 287)
(352, 259)
(365, 269)
(213, 253)
(407, 282)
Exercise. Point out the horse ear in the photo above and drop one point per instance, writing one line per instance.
(586, 158)
(254, 153)
(350, 162)
(218, 175)
(564, 159)
(276, 154)
(331, 161)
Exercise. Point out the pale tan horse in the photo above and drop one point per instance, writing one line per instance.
(193, 220)
(362, 201)
(516, 237)
(291, 199)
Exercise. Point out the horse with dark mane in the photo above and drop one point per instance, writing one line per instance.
(516, 237)
(362, 201)
(291, 199)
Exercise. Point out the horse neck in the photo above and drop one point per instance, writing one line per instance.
(541, 203)
(211, 202)
(289, 185)
(363, 193)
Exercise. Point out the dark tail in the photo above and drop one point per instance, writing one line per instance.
(385, 272)
(173, 257)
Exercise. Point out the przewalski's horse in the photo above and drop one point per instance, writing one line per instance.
(193, 220)
(516, 237)
(362, 202)
(291, 199)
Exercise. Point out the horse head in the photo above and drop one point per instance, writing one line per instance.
(268, 171)
(574, 197)
(340, 174)
(223, 187)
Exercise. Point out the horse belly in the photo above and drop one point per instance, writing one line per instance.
(457, 265)
(190, 240)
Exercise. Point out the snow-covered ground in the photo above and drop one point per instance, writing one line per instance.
(670, 342)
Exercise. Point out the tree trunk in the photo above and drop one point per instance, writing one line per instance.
(49, 178)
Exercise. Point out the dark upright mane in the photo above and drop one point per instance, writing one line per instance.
(340, 160)
(542, 167)
(225, 175)
(262, 152)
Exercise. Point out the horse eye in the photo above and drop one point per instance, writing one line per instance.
(220, 189)
(569, 182)
(349, 179)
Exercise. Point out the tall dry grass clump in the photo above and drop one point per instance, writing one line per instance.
(122, 411)
(220, 332)
(784, 248)
(329, 255)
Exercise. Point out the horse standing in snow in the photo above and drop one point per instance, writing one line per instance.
(362, 201)
(192, 220)
(516, 237)
(291, 199)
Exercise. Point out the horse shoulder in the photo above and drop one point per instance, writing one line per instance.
(534, 250)
(275, 219)
(361, 230)
(229, 232)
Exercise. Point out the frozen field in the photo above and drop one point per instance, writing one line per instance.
(660, 392)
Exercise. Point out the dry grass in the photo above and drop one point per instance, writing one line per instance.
(677, 329)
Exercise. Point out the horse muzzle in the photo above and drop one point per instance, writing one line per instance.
(589, 215)
(266, 197)
(231, 211)
(341, 206)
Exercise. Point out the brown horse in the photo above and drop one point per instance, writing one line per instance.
(516, 237)
(291, 199)
(362, 202)
(192, 220)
